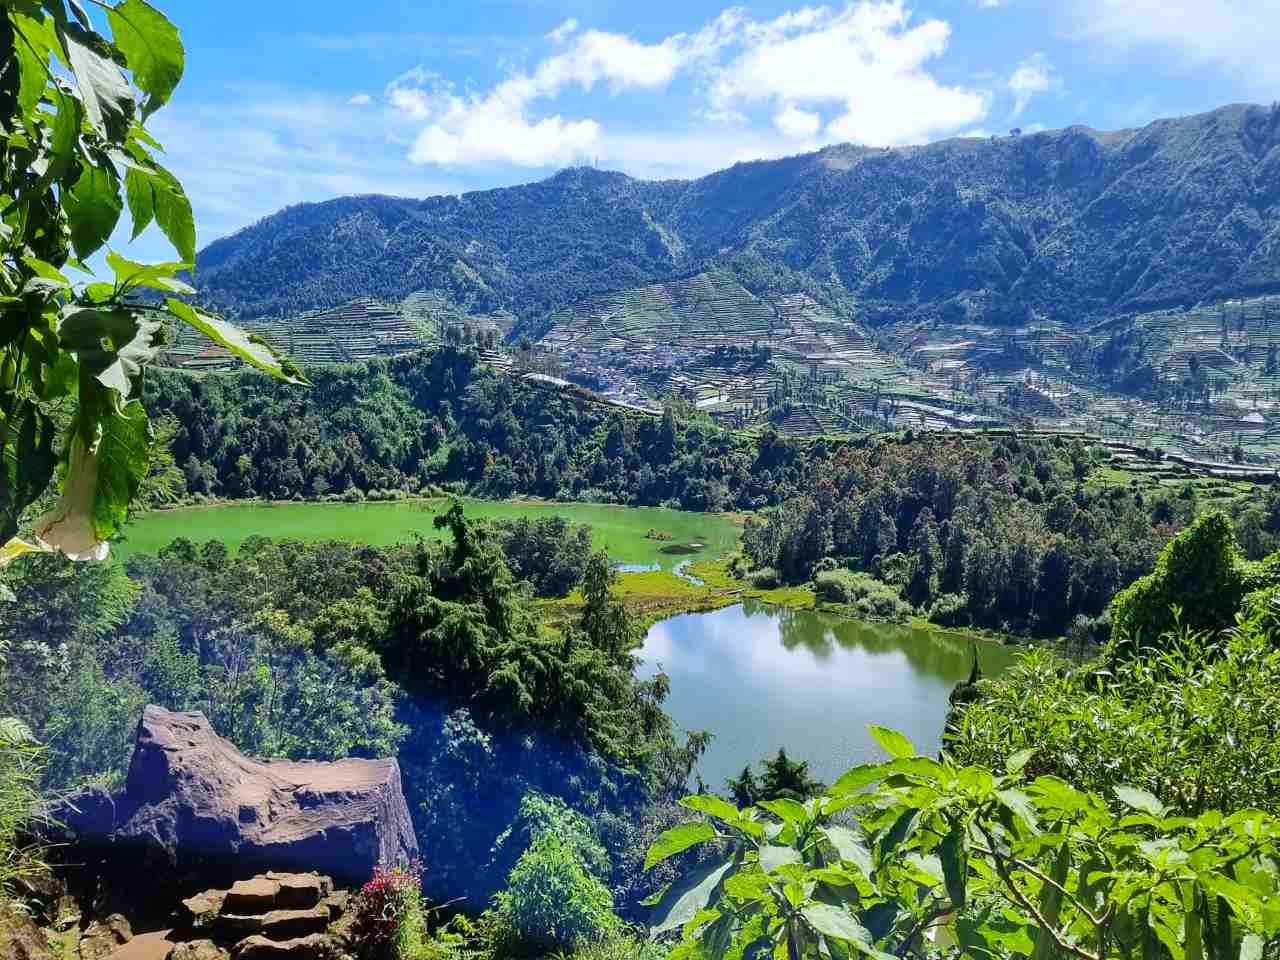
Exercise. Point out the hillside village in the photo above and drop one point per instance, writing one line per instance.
(1202, 383)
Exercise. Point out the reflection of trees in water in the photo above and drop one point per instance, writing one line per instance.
(946, 657)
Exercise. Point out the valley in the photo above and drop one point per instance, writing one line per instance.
(872, 551)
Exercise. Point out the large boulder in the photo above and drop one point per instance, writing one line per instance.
(192, 797)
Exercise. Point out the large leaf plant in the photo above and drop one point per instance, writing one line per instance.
(74, 152)
(918, 857)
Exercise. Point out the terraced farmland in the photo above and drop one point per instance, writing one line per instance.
(357, 330)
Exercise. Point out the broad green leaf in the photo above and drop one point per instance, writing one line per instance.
(1016, 763)
(46, 270)
(839, 924)
(93, 208)
(712, 807)
(248, 347)
(1058, 794)
(893, 743)
(156, 276)
(1020, 805)
(124, 455)
(1140, 800)
(152, 49)
(690, 894)
(912, 766)
(113, 345)
(138, 191)
(903, 827)
(856, 779)
(954, 854)
(27, 463)
(788, 811)
(62, 153)
(849, 847)
(107, 97)
(773, 856)
(677, 840)
(34, 39)
(173, 214)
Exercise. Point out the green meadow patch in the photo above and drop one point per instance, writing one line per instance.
(624, 532)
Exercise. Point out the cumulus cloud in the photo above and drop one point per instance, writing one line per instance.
(498, 126)
(1237, 35)
(818, 74)
(865, 66)
(360, 100)
(1033, 75)
(796, 123)
(562, 32)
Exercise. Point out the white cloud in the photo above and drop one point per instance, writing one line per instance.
(360, 100)
(818, 74)
(562, 32)
(867, 61)
(497, 127)
(796, 123)
(1238, 36)
(1033, 75)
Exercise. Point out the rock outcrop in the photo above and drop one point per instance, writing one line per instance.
(194, 799)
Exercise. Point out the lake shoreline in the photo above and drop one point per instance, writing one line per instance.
(729, 669)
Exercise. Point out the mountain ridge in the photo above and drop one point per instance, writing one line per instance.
(1071, 224)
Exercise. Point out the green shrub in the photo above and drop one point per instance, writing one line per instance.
(868, 597)
(552, 902)
(617, 948)
(1193, 722)
(390, 920)
(766, 578)
(950, 610)
(541, 814)
(20, 767)
(1200, 573)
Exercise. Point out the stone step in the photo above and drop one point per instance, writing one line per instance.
(197, 950)
(251, 896)
(337, 904)
(203, 906)
(310, 947)
(275, 924)
(300, 891)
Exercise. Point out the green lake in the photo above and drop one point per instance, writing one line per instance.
(621, 531)
(762, 677)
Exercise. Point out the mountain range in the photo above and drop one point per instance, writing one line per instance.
(1069, 225)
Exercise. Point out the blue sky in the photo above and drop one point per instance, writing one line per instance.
(285, 102)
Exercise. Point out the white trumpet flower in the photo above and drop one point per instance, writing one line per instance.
(68, 528)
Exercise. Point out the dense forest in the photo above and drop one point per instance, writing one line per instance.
(1070, 223)
(441, 419)
(433, 654)
(998, 532)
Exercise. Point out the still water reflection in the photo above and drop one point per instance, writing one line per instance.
(761, 677)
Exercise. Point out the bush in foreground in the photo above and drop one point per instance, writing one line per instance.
(1006, 864)
(553, 903)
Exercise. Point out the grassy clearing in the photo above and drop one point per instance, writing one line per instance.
(656, 595)
(624, 532)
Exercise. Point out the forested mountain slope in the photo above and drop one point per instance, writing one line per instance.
(1068, 223)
